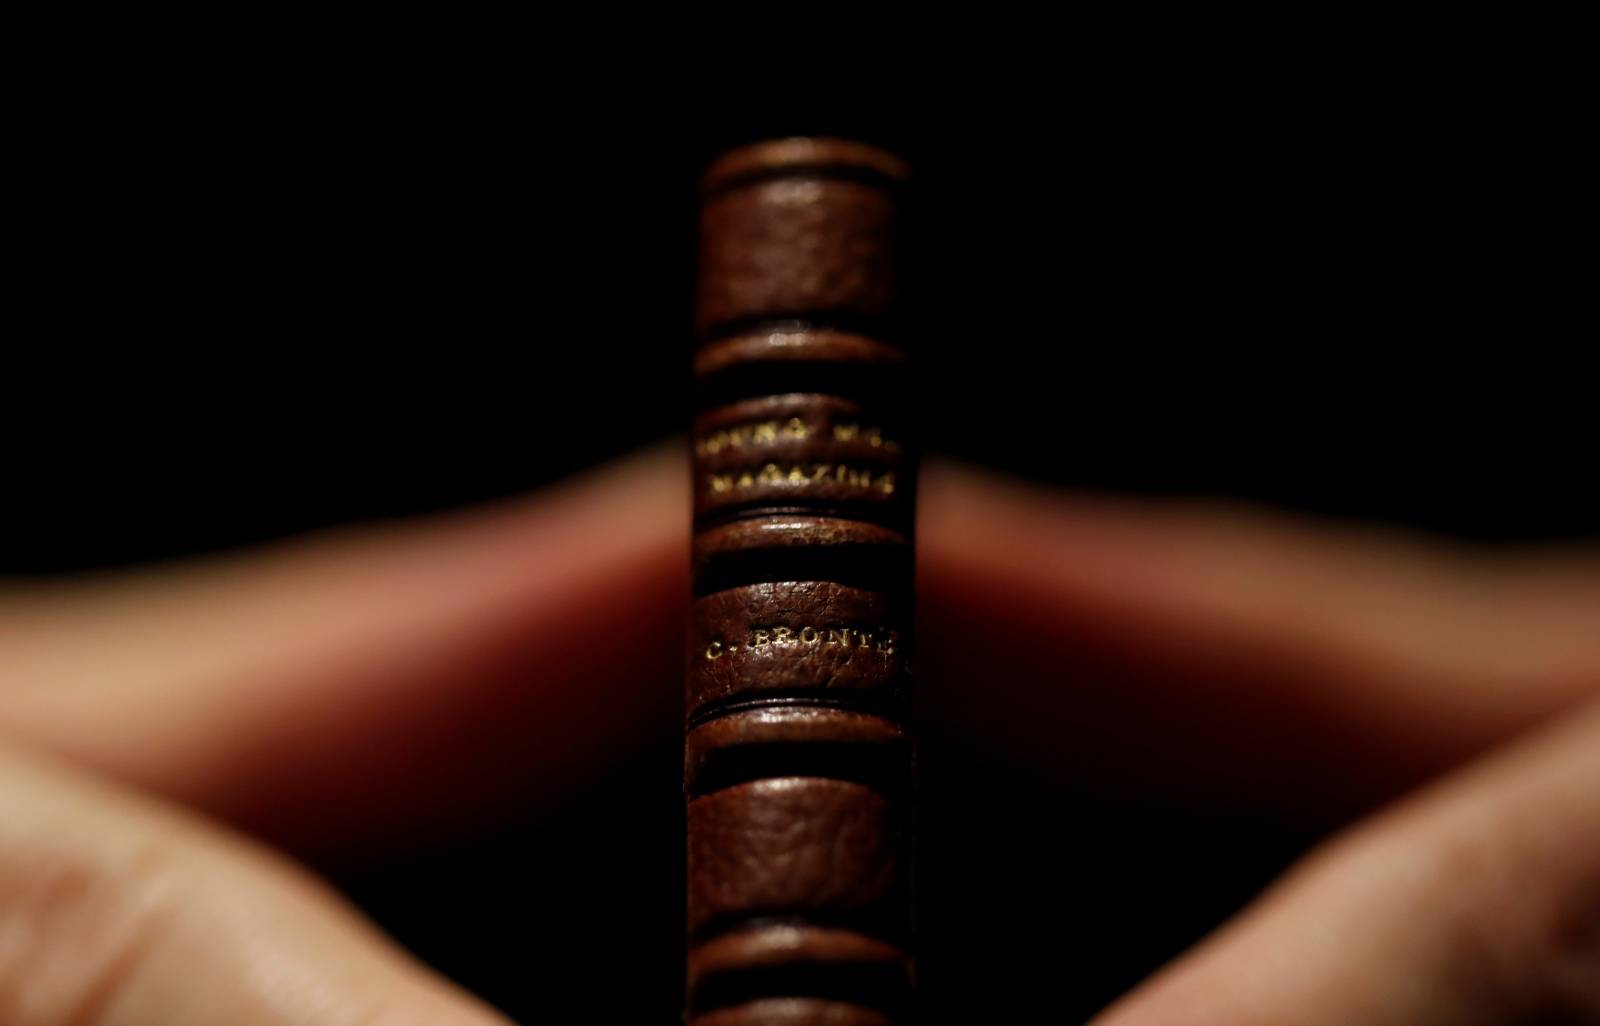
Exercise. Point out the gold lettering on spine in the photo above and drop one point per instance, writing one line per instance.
(873, 436)
(756, 433)
(803, 474)
(741, 436)
(878, 639)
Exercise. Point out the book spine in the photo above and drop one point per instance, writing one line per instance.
(798, 766)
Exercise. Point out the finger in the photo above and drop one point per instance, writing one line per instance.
(1477, 902)
(339, 685)
(120, 911)
(1209, 648)
(344, 685)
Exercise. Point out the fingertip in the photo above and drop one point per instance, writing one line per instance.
(326, 688)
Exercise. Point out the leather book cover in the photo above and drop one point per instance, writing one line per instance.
(799, 762)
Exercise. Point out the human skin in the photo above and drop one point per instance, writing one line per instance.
(166, 732)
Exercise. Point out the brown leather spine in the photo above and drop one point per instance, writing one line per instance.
(798, 762)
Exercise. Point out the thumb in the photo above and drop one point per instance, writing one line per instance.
(1476, 902)
(121, 911)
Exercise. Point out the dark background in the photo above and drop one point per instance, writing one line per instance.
(247, 315)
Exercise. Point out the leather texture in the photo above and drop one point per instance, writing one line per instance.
(793, 1012)
(798, 758)
(796, 246)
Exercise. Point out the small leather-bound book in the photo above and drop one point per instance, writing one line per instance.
(798, 761)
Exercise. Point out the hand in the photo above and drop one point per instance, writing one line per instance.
(1310, 672)
(339, 690)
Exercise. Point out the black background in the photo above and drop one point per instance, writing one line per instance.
(250, 314)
